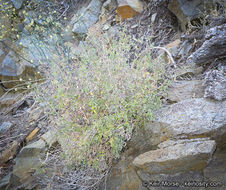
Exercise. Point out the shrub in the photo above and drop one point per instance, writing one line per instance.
(98, 97)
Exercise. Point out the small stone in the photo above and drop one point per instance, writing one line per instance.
(153, 17)
(106, 27)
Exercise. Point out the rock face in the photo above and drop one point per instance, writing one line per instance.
(186, 10)
(213, 47)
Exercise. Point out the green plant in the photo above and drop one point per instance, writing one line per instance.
(98, 97)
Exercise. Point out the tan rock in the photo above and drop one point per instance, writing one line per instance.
(125, 12)
(128, 9)
(177, 156)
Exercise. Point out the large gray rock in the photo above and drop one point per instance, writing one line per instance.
(86, 17)
(213, 47)
(186, 10)
(189, 119)
(36, 50)
(215, 83)
(182, 90)
(11, 65)
(17, 3)
(14, 70)
(177, 156)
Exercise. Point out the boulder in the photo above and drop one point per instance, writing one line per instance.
(86, 17)
(182, 90)
(186, 10)
(213, 47)
(15, 69)
(177, 156)
(215, 85)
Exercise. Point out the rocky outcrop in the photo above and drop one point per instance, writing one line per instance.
(195, 119)
(213, 47)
